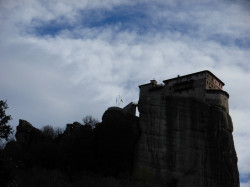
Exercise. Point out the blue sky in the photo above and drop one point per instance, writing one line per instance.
(63, 60)
(141, 18)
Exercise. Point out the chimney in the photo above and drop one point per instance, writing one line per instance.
(153, 82)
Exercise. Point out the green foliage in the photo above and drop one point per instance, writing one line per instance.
(5, 129)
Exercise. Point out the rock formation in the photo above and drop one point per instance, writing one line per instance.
(116, 138)
(183, 137)
(186, 133)
(27, 134)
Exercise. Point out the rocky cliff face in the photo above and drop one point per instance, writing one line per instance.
(27, 134)
(116, 138)
(185, 142)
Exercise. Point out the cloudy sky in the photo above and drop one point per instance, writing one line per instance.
(63, 60)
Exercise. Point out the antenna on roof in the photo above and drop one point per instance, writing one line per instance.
(118, 100)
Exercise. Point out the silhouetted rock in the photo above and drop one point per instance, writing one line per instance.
(75, 128)
(116, 138)
(186, 135)
(27, 134)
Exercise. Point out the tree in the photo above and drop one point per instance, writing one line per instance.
(5, 128)
(89, 120)
(49, 131)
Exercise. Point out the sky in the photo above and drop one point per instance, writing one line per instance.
(63, 60)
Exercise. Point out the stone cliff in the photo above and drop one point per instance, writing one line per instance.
(186, 142)
(186, 136)
(27, 134)
(116, 138)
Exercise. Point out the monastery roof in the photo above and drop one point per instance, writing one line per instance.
(200, 72)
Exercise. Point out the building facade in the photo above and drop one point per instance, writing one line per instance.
(203, 86)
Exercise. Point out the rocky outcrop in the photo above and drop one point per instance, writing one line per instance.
(185, 142)
(116, 137)
(27, 134)
(75, 129)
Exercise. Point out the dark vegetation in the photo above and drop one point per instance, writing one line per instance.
(5, 129)
(88, 154)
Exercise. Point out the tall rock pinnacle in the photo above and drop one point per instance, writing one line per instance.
(186, 133)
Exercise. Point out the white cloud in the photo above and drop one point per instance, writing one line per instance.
(240, 117)
(245, 184)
